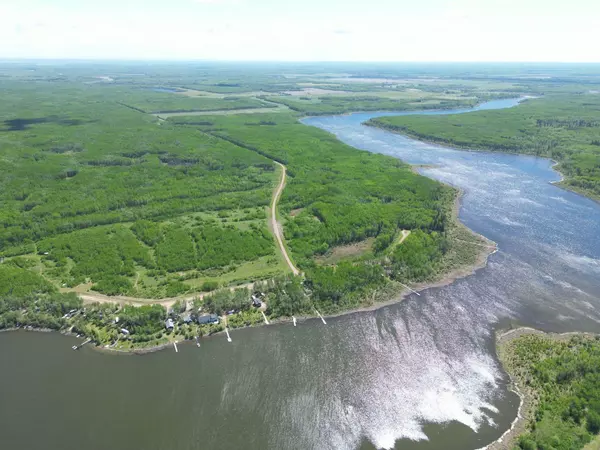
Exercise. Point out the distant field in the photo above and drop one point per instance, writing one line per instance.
(165, 102)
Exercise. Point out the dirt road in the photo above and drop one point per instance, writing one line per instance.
(275, 225)
(95, 297)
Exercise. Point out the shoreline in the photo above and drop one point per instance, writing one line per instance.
(486, 249)
(417, 110)
(481, 259)
(527, 396)
(554, 165)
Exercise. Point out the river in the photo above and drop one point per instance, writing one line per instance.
(416, 375)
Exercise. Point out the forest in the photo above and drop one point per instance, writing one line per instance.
(98, 194)
(563, 377)
(565, 128)
(340, 196)
(338, 104)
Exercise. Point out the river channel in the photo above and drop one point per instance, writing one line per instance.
(417, 375)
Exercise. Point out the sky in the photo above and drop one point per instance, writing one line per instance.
(302, 30)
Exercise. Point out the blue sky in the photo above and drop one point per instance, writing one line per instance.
(303, 30)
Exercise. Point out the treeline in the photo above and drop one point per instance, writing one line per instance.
(221, 246)
(416, 259)
(337, 104)
(203, 246)
(105, 255)
(26, 299)
(564, 375)
(108, 256)
(567, 123)
(343, 286)
(561, 127)
(220, 302)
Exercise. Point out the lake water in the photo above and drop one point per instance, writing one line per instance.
(165, 90)
(417, 375)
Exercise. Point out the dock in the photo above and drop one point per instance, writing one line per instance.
(294, 319)
(227, 329)
(265, 317)
(77, 347)
(319, 314)
(411, 290)
(175, 346)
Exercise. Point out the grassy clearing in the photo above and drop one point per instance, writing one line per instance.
(346, 252)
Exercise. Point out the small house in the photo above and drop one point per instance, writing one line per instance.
(169, 324)
(186, 317)
(205, 319)
(256, 301)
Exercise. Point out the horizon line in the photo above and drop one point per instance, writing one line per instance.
(267, 61)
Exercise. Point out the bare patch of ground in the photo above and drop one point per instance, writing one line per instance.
(336, 254)
(222, 112)
(315, 91)
(198, 93)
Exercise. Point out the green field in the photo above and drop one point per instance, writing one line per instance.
(563, 127)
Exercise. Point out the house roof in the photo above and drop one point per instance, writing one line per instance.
(208, 318)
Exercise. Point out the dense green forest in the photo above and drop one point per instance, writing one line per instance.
(336, 195)
(337, 104)
(562, 375)
(26, 299)
(162, 208)
(342, 195)
(98, 194)
(563, 127)
(70, 190)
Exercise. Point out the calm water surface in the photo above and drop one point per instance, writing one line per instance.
(417, 375)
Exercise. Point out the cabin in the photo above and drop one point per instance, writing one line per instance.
(256, 301)
(208, 318)
(169, 324)
(186, 317)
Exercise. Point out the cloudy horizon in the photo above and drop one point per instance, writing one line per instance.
(327, 30)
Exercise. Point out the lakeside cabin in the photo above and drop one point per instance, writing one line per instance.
(205, 319)
(169, 324)
(186, 317)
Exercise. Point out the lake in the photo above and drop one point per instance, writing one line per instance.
(417, 375)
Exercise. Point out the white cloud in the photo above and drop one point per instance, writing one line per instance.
(185, 29)
(216, 2)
